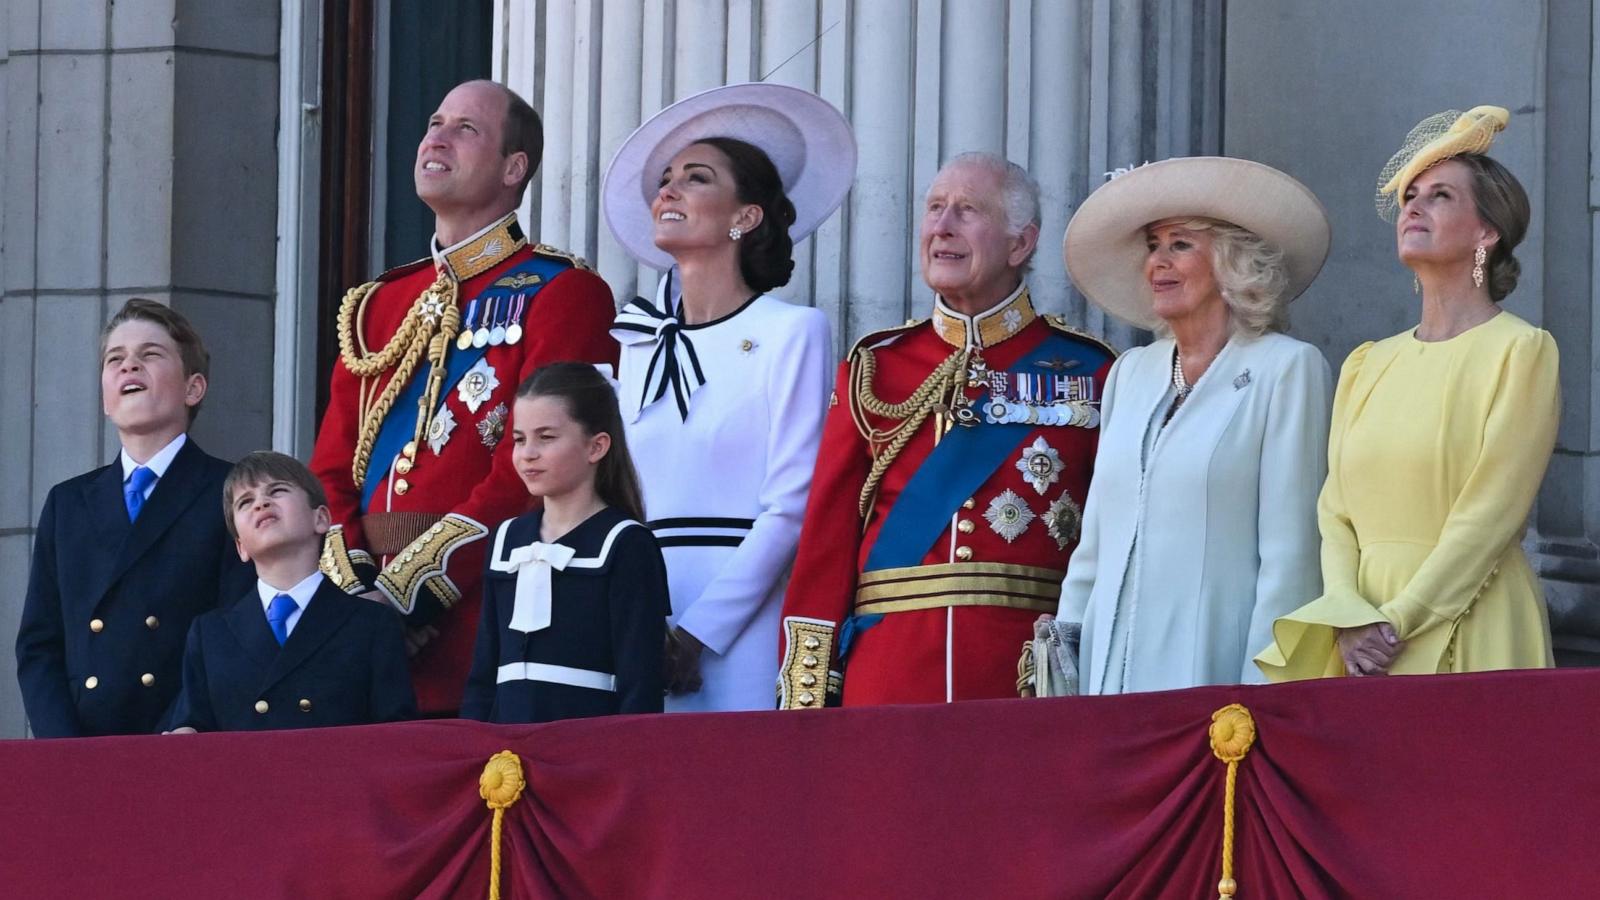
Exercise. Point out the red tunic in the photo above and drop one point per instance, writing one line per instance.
(420, 539)
(946, 650)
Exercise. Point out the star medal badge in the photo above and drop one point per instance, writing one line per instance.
(464, 340)
(444, 422)
(1040, 464)
(1064, 520)
(1008, 515)
(492, 427)
(475, 387)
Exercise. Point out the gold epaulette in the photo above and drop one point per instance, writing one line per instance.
(874, 338)
(405, 269)
(1060, 324)
(554, 253)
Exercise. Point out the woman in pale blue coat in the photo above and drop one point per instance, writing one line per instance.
(1200, 526)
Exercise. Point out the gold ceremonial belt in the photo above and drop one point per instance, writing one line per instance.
(959, 584)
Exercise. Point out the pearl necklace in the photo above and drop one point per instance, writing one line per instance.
(1179, 384)
(1178, 381)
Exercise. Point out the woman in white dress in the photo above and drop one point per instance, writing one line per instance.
(723, 386)
(1200, 525)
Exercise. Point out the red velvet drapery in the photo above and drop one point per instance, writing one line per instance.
(1453, 786)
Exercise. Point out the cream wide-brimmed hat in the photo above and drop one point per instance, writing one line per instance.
(1105, 241)
(808, 141)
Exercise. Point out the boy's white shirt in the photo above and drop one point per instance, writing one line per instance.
(301, 595)
(157, 464)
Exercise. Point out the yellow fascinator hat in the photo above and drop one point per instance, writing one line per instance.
(1434, 140)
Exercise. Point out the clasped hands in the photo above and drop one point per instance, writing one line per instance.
(1369, 649)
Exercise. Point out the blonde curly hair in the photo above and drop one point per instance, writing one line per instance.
(1249, 273)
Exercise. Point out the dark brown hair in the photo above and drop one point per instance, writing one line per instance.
(1502, 204)
(521, 132)
(264, 467)
(191, 350)
(766, 253)
(592, 403)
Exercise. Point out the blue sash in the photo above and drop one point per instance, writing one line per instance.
(962, 461)
(401, 423)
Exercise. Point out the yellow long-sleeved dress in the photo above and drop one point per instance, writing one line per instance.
(1435, 454)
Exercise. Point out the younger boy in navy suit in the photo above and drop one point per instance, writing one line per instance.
(295, 651)
(127, 555)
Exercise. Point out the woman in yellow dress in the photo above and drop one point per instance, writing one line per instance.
(1439, 440)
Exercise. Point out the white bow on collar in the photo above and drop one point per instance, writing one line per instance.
(533, 564)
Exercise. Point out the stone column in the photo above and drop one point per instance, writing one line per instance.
(140, 160)
(1067, 89)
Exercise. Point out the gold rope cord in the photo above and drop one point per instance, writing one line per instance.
(500, 785)
(1232, 732)
(428, 328)
(937, 392)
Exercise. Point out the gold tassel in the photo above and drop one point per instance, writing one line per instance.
(500, 785)
(1232, 732)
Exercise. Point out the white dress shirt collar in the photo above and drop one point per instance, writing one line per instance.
(158, 463)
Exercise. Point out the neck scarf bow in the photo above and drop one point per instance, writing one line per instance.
(674, 365)
(533, 565)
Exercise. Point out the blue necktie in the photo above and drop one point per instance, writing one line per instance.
(133, 491)
(278, 616)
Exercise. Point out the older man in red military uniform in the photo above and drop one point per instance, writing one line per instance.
(412, 450)
(954, 463)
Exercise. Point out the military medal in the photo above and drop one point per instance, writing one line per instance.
(1041, 398)
(1009, 515)
(475, 387)
(480, 338)
(1063, 520)
(497, 328)
(1040, 464)
(514, 330)
(493, 426)
(465, 339)
(444, 422)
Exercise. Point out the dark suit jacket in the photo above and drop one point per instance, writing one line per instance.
(109, 601)
(344, 664)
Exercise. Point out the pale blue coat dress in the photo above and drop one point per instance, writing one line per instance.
(1197, 535)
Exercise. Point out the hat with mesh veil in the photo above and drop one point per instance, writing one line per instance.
(1432, 141)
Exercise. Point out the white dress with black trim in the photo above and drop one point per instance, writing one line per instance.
(571, 628)
(723, 420)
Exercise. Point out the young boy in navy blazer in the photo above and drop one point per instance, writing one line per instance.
(127, 555)
(295, 651)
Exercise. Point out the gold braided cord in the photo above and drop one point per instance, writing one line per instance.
(500, 786)
(1232, 732)
(937, 392)
(427, 329)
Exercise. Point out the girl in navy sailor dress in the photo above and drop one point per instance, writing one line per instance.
(574, 594)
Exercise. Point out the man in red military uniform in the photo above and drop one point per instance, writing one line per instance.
(954, 464)
(412, 450)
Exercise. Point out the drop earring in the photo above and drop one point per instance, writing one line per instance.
(1416, 285)
(1478, 259)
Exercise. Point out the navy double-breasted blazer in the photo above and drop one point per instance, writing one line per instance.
(109, 601)
(344, 664)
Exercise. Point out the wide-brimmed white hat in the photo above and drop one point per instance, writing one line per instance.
(808, 141)
(1105, 241)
